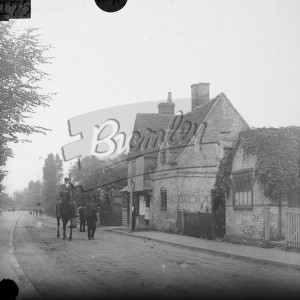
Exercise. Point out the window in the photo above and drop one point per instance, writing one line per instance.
(162, 157)
(242, 190)
(163, 199)
(133, 168)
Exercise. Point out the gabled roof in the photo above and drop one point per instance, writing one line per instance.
(157, 122)
(144, 122)
(198, 116)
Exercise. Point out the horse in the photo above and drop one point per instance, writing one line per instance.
(64, 211)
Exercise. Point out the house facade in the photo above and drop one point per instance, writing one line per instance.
(186, 169)
(251, 216)
(247, 206)
(173, 159)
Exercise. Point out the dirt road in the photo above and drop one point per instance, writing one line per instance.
(114, 265)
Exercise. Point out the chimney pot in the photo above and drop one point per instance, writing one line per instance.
(167, 107)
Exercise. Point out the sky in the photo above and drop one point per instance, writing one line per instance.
(249, 50)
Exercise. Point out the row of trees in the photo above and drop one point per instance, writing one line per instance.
(94, 178)
(43, 193)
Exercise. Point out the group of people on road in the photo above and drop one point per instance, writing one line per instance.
(87, 212)
(88, 217)
(37, 212)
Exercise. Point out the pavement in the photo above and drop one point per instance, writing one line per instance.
(271, 256)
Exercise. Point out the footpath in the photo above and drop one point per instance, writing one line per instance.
(272, 256)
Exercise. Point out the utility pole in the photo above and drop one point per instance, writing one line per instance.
(130, 204)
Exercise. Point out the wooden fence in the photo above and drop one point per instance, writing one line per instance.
(292, 228)
(202, 225)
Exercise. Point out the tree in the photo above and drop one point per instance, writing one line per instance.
(20, 198)
(59, 169)
(5, 200)
(34, 195)
(21, 56)
(52, 174)
(96, 174)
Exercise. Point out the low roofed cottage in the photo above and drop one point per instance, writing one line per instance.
(263, 185)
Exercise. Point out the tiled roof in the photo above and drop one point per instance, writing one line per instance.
(197, 116)
(154, 122)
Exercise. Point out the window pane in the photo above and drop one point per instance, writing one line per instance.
(245, 198)
(236, 198)
(239, 198)
(249, 197)
(249, 183)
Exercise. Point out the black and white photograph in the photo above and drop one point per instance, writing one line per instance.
(149, 149)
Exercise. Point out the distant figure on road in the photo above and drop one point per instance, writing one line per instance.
(82, 218)
(8, 289)
(91, 217)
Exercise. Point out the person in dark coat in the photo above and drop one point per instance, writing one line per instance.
(133, 211)
(91, 218)
(82, 218)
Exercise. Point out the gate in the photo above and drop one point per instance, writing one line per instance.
(292, 227)
(202, 225)
(219, 223)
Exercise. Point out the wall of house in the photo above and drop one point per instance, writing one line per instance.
(183, 193)
(247, 225)
(189, 185)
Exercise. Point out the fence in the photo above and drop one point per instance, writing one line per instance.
(202, 225)
(292, 229)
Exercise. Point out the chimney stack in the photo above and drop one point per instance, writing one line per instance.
(200, 94)
(167, 108)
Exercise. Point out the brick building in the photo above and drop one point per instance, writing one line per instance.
(173, 159)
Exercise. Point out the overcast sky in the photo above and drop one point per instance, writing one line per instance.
(250, 50)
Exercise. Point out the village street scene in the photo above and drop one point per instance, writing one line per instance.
(130, 167)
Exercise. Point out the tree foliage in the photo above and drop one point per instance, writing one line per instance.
(277, 152)
(21, 56)
(278, 158)
(34, 195)
(5, 200)
(52, 175)
(98, 175)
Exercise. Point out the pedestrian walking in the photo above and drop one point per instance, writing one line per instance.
(82, 218)
(91, 218)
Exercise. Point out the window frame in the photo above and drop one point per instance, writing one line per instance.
(235, 175)
(163, 207)
(162, 157)
(133, 168)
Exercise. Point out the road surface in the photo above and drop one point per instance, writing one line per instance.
(114, 266)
